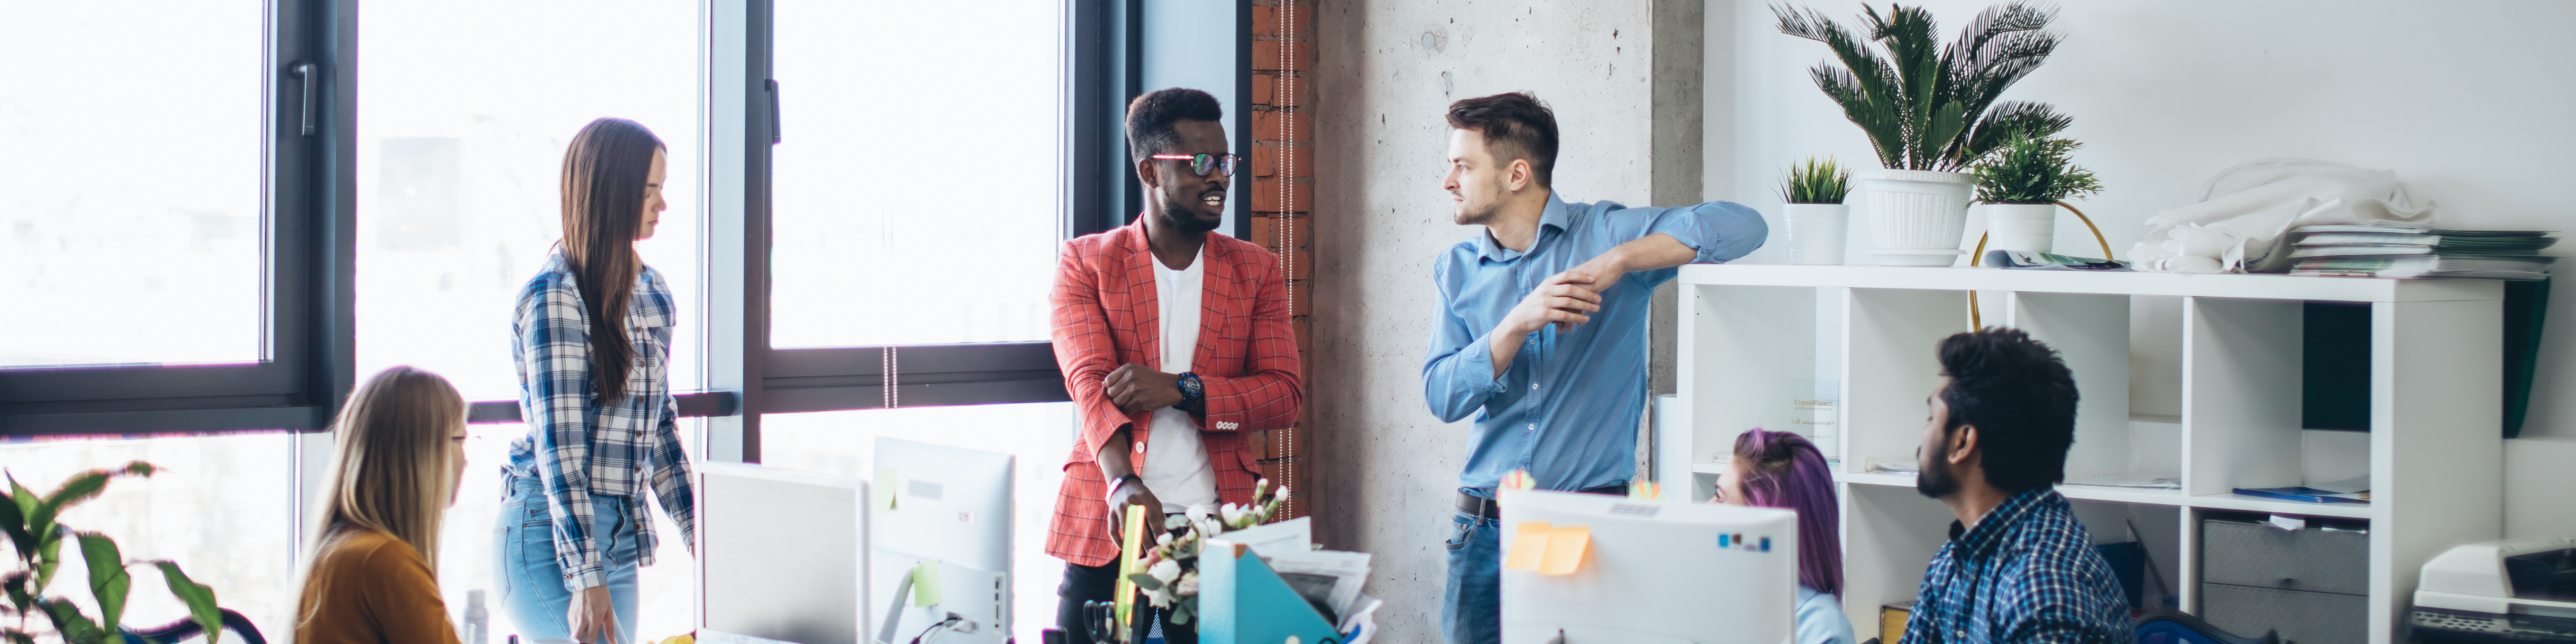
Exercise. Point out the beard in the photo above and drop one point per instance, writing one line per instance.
(1932, 476)
(1179, 216)
(1472, 213)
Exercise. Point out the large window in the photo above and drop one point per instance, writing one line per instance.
(916, 192)
(159, 260)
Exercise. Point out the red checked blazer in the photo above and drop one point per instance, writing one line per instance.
(1106, 316)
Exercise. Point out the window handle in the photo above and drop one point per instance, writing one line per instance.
(771, 86)
(304, 72)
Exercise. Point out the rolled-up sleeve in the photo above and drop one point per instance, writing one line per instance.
(1719, 230)
(1458, 376)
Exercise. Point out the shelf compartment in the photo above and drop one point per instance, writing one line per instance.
(2241, 393)
(1960, 279)
(2091, 333)
(2148, 496)
(1743, 347)
(1889, 368)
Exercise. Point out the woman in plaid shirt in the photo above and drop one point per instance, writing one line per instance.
(593, 341)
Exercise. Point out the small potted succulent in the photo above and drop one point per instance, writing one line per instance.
(2022, 184)
(1818, 221)
(1929, 110)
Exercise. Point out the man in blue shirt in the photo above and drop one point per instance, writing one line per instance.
(2018, 567)
(1542, 329)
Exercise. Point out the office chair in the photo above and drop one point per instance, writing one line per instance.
(2169, 626)
(236, 629)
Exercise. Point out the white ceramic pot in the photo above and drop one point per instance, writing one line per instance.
(1915, 216)
(2021, 226)
(1817, 232)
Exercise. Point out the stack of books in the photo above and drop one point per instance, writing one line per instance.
(2404, 252)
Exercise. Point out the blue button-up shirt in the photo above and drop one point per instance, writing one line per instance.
(2026, 573)
(1566, 409)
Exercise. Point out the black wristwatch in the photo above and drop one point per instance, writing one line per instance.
(1192, 392)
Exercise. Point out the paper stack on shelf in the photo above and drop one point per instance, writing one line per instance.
(1892, 466)
(2406, 252)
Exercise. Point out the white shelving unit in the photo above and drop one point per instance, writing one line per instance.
(1748, 331)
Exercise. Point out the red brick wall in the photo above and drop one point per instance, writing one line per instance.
(1283, 170)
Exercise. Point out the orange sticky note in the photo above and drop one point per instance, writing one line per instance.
(1564, 550)
(1529, 546)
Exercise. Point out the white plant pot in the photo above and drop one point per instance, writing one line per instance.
(2021, 226)
(1817, 232)
(1916, 216)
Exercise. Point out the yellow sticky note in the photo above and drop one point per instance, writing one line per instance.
(1529, 546)
(884, 489)
(925, 583)
(1565, 550)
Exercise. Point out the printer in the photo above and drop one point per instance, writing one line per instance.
(2517, 590)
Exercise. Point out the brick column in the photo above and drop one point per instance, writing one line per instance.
(1283, 170)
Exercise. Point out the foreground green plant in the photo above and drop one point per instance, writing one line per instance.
(28, 519)
(1926, 106)
(1816, 181)
(2033, 170)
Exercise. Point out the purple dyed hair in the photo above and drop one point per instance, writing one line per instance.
(1783, 470)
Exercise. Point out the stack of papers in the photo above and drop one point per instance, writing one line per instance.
(1892, 467)
(1330, 580)
(2406, 252)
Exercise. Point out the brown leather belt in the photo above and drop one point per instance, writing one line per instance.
(1484, 508)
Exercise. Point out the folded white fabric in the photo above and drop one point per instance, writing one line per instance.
(2247, 212)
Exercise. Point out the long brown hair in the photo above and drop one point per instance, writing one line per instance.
(604, 171)
(390, 465)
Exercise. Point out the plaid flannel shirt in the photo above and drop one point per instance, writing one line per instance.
(590, 449)
(2026, 573)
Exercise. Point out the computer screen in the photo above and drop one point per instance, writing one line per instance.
(1653, 571)
(952, 506)
(781, 554)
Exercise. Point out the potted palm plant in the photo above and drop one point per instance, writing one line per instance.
(27, 519)
(1929, 110)
(2022, 184)
(1818, 221)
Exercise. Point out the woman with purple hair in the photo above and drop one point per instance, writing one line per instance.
(1782, 470)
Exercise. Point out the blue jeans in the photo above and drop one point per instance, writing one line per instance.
(532, 580)
(1471, 609)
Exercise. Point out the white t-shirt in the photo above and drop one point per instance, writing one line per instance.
(1176, 463)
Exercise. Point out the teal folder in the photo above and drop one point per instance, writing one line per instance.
(1242, 602)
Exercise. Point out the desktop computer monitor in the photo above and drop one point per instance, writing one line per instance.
(781, 554)
(952, 506)
(1654, 572)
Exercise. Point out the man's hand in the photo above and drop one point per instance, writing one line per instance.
(1132, 493)
(1135, 388)
(593, 621)
(1601, 273)
(1564, 299)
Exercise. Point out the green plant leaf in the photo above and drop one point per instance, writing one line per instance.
(199, 598)
(20, 598)
(16, 637)
(13, 521)
(108, 581)
(1146, 581)
(22, 532)
(69, 622)
(49, 557)
(1182, 611)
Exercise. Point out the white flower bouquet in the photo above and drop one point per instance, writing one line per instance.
(1171, 576)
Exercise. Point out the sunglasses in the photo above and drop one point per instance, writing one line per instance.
(1222, 164)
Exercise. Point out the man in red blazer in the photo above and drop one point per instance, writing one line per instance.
(1175, 345)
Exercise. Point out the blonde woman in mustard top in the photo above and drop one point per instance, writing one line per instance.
(398, 451)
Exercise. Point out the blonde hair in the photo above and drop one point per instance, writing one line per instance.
(390, 468)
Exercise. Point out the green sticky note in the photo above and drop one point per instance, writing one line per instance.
(884, 489)
(925, 583)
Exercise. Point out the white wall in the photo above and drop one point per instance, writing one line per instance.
(2466, 101)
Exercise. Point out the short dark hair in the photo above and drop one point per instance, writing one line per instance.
(2020, 396)
(1150, 117)
(1516, 126)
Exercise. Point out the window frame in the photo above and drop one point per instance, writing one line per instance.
(308, 195)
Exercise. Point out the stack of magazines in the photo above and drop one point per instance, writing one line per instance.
(2404, 252)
